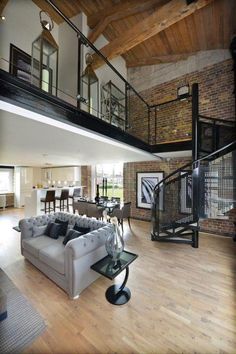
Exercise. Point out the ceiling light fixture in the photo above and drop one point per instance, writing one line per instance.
(3, 18)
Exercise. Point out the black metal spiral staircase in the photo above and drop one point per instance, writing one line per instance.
(203, 188)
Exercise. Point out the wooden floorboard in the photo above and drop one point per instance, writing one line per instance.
(183, 300)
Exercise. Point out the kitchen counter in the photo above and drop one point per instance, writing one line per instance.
(33, 205)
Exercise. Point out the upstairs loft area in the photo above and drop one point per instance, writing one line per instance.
(59, 65)
(101, 94)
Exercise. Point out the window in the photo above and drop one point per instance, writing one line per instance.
(114, 177)
(6, 180)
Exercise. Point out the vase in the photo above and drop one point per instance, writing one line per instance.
(115, 243)
(97, 194)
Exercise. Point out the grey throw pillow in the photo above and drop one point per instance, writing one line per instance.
(71, 234)
(39, 230)
(54, 230)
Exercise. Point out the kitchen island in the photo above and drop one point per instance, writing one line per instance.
(33, 204)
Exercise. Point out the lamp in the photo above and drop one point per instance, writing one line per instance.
(89, 83)
(183, 92)
(44, 57)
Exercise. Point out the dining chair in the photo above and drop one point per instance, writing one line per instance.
(123, 213)
(81, 206)
(95, 211)
(115, 199)
(76, 194)
(104, 198)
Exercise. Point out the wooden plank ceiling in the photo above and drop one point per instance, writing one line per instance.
(147, 32)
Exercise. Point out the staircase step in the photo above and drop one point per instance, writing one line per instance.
(174, 239)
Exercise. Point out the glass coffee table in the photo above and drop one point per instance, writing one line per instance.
(116, 294)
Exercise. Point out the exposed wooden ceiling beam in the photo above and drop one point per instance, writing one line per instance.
(122, 10)
(162, 18)
(159, 59)
(2, 5)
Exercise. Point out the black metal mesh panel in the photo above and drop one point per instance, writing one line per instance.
(173, 202)
(217, 186)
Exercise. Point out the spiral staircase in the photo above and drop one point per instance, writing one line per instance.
(203, 188)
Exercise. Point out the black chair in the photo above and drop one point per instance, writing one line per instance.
(49, 198)
(62, 198)
(123, 213)
(103, 198)
(75, 195)
(115, 199)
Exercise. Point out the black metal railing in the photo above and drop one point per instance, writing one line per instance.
(214, 133)
(203, 188)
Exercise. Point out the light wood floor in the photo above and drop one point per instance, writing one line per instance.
(183, 299)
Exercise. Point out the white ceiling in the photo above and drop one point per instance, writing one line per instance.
(30, 139)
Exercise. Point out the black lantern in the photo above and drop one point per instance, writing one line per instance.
(183, 92)
(44, 58)
(89, 87)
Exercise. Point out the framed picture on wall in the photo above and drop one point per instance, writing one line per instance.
(185, 192)
(20, 63)
(145, 184)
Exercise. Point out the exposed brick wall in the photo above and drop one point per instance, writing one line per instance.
(219, 227)
(173, 121)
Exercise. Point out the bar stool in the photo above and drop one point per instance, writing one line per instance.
(76, 194)
(64, 196)
(50, 198)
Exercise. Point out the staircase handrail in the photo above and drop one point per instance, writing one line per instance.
(226, 148)
(217, 119)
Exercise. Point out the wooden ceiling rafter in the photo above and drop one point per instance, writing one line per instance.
(117, 12)
(162, 18)
(2, 6)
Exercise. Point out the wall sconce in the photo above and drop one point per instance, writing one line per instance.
(183, 92)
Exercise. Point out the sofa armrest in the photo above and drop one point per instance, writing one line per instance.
(87, 243)
(26, 225)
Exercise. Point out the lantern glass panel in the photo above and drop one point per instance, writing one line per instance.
(44, 64)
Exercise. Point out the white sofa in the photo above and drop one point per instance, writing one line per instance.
(68, 266)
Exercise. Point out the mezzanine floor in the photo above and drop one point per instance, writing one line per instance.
(183, 299)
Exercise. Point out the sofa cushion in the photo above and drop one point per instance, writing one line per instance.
(38, 230)
(83, 230)
(71, 235)
(54, 230)
(35, 244)
(53, 256)
(64, 225)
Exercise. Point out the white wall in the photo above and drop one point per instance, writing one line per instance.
(106, 74)
(68, 60)
(21, 27)
(145, 77)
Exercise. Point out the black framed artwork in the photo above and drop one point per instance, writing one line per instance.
(20, 63)
(145, 184)
(185, 192)
(20, 66)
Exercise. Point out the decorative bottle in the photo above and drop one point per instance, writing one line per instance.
(115, 243)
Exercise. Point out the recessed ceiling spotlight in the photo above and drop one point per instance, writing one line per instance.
(3, 18)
